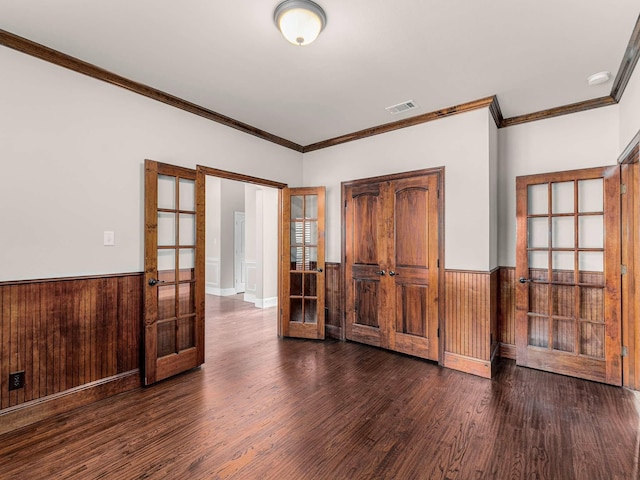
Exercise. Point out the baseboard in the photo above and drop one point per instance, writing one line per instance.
(508, 351)
(250, 297)
(475, 366)
(34, 411)
(266, 302)
(220, 292)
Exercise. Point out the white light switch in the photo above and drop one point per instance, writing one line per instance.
(109, 238)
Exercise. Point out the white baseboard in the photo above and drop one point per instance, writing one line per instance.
(220, 292)
(266, 302)
(250, 297)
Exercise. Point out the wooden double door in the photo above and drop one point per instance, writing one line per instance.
(392, 245)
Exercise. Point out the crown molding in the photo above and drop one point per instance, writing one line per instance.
(628, 64)
(627, 67)
(407, 122)
(63, 60)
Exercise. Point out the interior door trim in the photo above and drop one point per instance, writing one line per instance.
(439, 171)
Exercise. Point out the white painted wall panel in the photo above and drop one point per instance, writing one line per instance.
(71, 160)
(630, 110)
(460, 143)
(581, 140)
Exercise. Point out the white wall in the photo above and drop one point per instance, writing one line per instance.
(71, 160)
(460, 143)
(581, 140)
(493, 195)
(269, 247)
(630, 110)
(232, 200)
(212, 233)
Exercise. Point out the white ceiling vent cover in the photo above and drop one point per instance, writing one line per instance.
(401, 107)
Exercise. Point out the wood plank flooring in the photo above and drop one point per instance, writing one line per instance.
(267, 408)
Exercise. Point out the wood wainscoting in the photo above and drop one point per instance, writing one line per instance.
(334, 310)
(471, 321)
(77, 340)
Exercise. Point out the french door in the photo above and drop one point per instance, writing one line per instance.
(392, 251)
(302, 266)
(173, 319)
(568, 269)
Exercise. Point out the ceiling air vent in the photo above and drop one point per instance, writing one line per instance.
(401, 107)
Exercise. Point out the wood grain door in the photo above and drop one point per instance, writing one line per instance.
(173, 320)
(568, 267)
(302, 266)
(413, 270)
(392, 247)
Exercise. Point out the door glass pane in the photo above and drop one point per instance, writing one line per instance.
(563, 266)
(564, 335)
(592, 339)
(167, 265)
(564, 300)
(186, 263)
(295, 310)
(591, 261)
(297, 206)
(538, 232)
(186, 298)
(311, 258)
(166, 338)
(538, 331)
(538, 298)
(187, 229)
(592, 304)
(538, 199)
(539, 260)
(562, 197)
(297, 233)
(166, 302)
(295, 287)
(310, 285)
(297, 258)
(186, 333)
(166, 192)
(311, 206)
(166, 229)
(591, 231)
(310, 310)
(187, 190)
(563, 232)
(590, 195)
(311, 233)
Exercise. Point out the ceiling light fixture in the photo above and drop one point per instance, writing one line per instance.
(599, 78)
(300, 21)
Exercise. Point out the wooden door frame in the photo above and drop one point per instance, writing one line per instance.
(439, 171)
(201, 173)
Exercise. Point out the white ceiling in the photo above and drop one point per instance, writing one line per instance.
(230, 58)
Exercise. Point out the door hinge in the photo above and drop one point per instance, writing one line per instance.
(623, 269)
(438, 263)
(345, 204)
(623, 189)
(624, 352)
(438, 332)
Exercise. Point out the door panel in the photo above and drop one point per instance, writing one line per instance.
(392, 245)
(174, 326)
(367, 244)
(302, 292)
(568, 264)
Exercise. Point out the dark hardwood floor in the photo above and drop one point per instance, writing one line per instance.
(267, 408)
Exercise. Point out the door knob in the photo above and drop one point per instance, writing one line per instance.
(319, 270)
(523, 280)
(381, 272)
(393, 274)
(153, 282)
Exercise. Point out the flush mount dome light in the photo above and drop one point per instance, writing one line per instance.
(300, 21)
(598, 78)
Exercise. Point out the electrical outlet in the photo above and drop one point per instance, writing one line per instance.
(16, 380)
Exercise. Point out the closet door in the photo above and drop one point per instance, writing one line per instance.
(392, 248)
(413, 270)
(366, 238)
